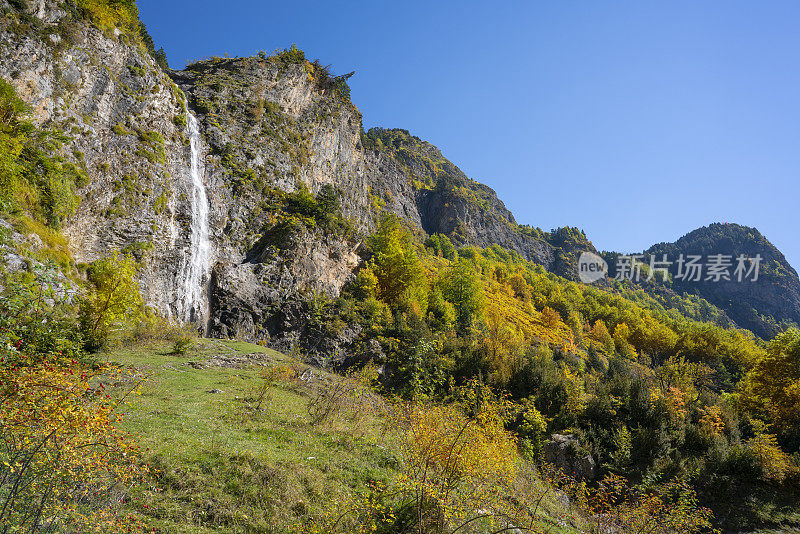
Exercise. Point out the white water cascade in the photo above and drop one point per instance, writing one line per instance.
(197, 259)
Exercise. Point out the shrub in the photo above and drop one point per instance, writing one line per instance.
(63, 455)
(270, 377)
(151, 326)
(668, 509)
(180, 121)
(35, 322)
(107, 15)
(182, 344)
(343, 398)
(459, 470)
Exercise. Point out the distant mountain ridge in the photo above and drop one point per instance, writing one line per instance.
(765, 306)
(448, 202)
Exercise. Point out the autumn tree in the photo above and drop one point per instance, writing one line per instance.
(550, 317)
(520, 287)
(441, 314)
(462, 287)
(772, 387)
(460, 471)
(112, 299)
(532, 430)
(503, 344)
(63, 454)
(601, 334)
(400, 278)
(774, 463)
(621, 334)
(441, 245)
(64, 461)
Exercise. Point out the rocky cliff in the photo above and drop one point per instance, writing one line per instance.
(122, 117)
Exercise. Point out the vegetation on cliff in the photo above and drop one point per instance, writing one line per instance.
(35, 181)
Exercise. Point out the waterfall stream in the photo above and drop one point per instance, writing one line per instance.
(197, 260)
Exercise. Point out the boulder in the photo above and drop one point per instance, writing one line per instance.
(563, 451)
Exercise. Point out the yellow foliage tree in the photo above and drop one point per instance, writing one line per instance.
(775, 464)
(459, 470)
(550, 317)
(621, 334)
(113, 300)
(400, 279)
(64, 459)
(503, 344)
(772, 387)
(520, 287)
(601, 334)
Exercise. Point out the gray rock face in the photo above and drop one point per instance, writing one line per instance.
(126, 124)
(118, 111)
(52, 279)
(757, 305)
(562, 450)
(266, 299)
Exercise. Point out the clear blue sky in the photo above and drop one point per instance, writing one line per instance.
(636, 121)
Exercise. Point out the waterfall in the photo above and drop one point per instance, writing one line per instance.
(197, 260)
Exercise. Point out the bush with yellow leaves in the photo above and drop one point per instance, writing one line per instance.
(64, 461)
(669, 509)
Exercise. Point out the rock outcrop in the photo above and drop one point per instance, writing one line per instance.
(120, 113)
(563, 451)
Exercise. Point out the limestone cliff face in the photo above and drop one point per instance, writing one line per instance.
(272, 124)
(118, 111)
(126, 123)
(271, 127)
(267, 125)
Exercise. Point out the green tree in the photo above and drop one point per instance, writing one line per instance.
(328, 201)
(462, 287)
(773, 385)
(441, 314)
(532, 430)
(113, 298)
(621, 334)
(365, 284)
(401, 280)
(441, 246)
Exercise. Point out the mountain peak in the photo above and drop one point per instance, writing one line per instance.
(763, 305)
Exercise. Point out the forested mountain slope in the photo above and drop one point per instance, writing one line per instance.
(765, 305)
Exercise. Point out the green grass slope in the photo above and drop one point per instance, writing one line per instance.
(222, 465)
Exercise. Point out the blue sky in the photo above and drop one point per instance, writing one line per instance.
(636, 121)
